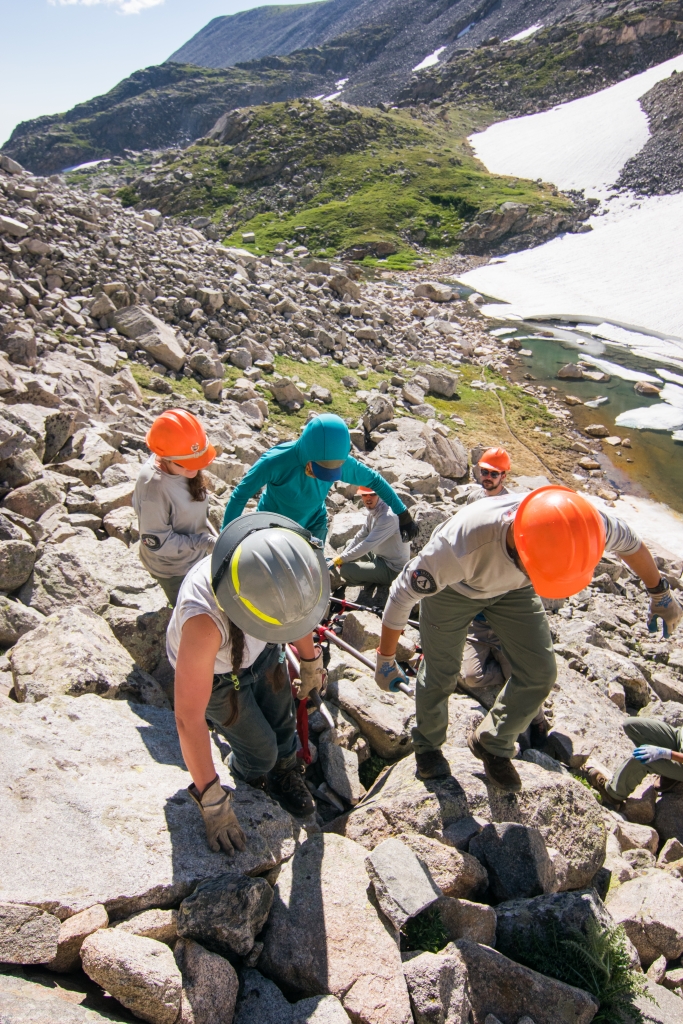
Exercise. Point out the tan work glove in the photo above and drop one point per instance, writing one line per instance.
(222, 827)
(664, 606)
(312, 675)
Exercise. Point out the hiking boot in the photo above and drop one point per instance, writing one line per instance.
(499, 770)
(288, 787)
(260, 782)
(431, 764)
(597, 780)
(538, 733)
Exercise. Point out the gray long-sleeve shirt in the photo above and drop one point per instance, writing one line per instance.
(381, 534)
(468, 553)
(174, 530)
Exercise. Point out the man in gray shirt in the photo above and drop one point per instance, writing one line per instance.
(378, 543)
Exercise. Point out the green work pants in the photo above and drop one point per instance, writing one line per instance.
(372, 570)
(632, 772)
(170, 586)
(519, 621)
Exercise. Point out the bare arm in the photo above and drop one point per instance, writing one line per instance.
(199, 644)
(643, 565)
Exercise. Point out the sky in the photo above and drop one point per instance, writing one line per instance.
(57, 53)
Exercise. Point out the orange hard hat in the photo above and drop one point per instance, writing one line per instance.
(365, 490)
(178, 436)
(495, 458)
(560, 538)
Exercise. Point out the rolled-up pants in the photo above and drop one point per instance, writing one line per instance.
(632, 772)
(519, 621)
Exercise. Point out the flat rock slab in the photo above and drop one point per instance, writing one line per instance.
(403, 887)
(324, 935)
(95, 809)
(565, 813)
(650, 908)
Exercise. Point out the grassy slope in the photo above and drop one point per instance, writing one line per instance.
(481, 410)
(401, 180)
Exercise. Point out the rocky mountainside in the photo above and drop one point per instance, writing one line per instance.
(329, 178)
(593, 46)
(658, 169)
(398, 901)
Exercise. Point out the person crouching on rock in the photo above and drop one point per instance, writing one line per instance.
(171, 500)
(659, 751)
(297, 476)
(499, 557)
(378, 543)
(266, 583)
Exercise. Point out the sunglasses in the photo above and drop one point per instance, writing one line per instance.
(490, 472)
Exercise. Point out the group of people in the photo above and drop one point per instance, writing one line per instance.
(240, 596)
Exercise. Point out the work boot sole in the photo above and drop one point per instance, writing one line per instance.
(499, 770)
(432, 765)
(597, 781)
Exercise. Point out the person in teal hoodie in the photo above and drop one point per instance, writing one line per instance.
(297, 475)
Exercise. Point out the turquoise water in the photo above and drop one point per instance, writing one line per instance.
(657, 467)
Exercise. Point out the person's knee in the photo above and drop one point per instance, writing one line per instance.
(543, 672)
(261, 758)
(636, 729)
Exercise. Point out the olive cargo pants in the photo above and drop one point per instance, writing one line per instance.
(519, 620)
(632, 772)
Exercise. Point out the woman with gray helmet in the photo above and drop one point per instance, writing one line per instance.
(265, 584)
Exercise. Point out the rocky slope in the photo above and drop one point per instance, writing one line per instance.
(658, 168)
(591, 47)
(107, 317)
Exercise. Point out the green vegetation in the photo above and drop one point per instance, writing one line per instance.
(597, 962)
(128, 196)
(370, 769)
(424, 932)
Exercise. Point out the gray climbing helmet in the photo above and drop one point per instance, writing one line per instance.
(269, 576)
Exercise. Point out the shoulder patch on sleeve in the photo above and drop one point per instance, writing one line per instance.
(422, 582)
(150, 540)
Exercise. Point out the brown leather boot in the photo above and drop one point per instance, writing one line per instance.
(431, 764)
(598, 781)
(499, 770)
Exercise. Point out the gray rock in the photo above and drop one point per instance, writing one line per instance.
(29, 1002)
(340, 767)
(670, 852)
(344, 526)
(48, 428)
(142, 633)
(669, 816)
(437, 983)
(379, 409)
(15, 620)
(650, 908)
(28, 935)
(402, 886)
(35, 498)
(319, 1010)
(519, 921)
(455, 872)
(261, 1000)
(433, 290)
(516, 859)
(285, 392)
(501, 987)
(663, 1008)
(566, 814)
(161, 925)
(320, 901)
(75, 652)
(447, 455)
(385, 719)
(209, 985)
(16, 563)
(362, 630)
(441, 382)
(151, 334)
(132, 838)
(463, 919)
(670, 711)
(140, 973)
(73, 933)
(633, 836)
(226, 913)
(611, 667)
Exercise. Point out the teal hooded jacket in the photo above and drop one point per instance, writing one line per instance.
(290, 492)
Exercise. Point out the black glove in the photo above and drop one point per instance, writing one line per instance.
(409, 528)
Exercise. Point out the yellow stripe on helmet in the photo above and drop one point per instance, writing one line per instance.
(236, 584)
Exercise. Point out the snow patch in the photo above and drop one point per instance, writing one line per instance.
(581, 144)
(660, 416)
(651, 520)
(332, 96)
(431, 59)
(525, 33)
(673, 394)
(468, 28)
(675, 378)
(607, 366)
(84, 167)
(341, 83)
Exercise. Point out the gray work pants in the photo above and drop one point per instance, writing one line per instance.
(265, 730)
(170, 586)
(372, 570)
(519, 621)
(631, 773)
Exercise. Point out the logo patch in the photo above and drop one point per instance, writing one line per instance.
(422, 582)
(150, 540)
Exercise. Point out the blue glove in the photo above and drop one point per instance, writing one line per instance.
(648, 753)
(664, 606)
(388, 674)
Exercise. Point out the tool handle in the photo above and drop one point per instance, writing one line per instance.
(313, 695)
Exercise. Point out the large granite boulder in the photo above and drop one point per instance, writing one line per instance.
(650, 907)
(565, 813)
(95, 809)
(325, 936)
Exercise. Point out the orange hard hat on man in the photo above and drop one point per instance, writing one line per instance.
(495, 458)
(365, 490)
(178, 436)
(560, 538)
